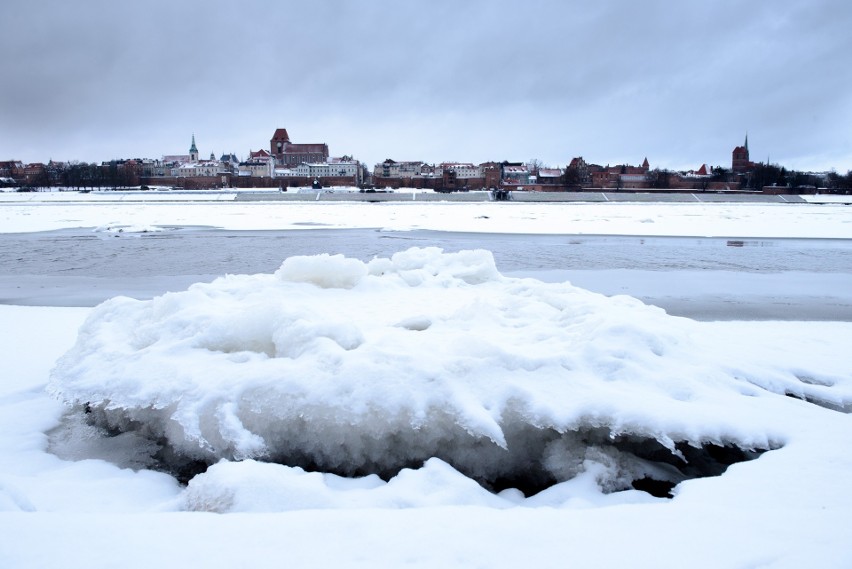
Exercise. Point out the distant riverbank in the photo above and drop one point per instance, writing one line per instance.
(402, 195)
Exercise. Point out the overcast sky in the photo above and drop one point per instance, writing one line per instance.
(614, 81)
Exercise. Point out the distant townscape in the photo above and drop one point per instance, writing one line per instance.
(288, 164)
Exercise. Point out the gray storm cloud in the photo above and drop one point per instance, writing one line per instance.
(614, 81)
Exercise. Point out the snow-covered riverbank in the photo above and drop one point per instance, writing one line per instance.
(673, 219)
(71, 497)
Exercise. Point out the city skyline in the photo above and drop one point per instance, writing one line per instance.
(434, 81)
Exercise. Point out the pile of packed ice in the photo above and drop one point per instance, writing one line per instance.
(336, 365)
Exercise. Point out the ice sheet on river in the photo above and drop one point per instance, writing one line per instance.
(336, 365)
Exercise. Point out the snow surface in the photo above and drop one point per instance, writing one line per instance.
(612, 218)
(442, 339)
(828, 198)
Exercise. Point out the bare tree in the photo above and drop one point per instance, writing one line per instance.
(534, 166)
(659, 179)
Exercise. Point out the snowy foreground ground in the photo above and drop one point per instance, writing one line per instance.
(420, 392)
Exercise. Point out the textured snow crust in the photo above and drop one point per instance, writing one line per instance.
(361, 369)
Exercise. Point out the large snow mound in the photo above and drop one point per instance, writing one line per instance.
(336, 365)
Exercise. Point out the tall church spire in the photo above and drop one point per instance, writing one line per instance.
(746, 142)
(193, 151)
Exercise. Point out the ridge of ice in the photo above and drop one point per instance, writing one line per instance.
(370, 368)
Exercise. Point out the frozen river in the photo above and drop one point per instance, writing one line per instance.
(703, 278)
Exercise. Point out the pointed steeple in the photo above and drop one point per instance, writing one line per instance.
(193, 151)
(746, 142)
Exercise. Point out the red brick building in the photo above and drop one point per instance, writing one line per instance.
(289, 154)
(11, 169)
(624, 176)
(492, 174)
(740, 162)
(35, 172)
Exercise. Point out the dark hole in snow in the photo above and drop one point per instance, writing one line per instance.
(181, 467)
(535, 458)
(658, 488)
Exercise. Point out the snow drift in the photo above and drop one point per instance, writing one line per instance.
(335, 365)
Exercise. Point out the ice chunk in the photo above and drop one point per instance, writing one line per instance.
(359, 368)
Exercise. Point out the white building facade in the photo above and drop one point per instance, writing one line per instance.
(463, 171)
(392, 169)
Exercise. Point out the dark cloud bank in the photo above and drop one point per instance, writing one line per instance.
(613, 81)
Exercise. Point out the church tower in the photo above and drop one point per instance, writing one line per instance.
(740, 162)
(193, 151)
(279, 143)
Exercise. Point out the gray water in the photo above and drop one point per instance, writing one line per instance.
(182, 251)
(80, 267)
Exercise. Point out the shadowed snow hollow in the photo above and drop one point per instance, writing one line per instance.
(353, 368)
